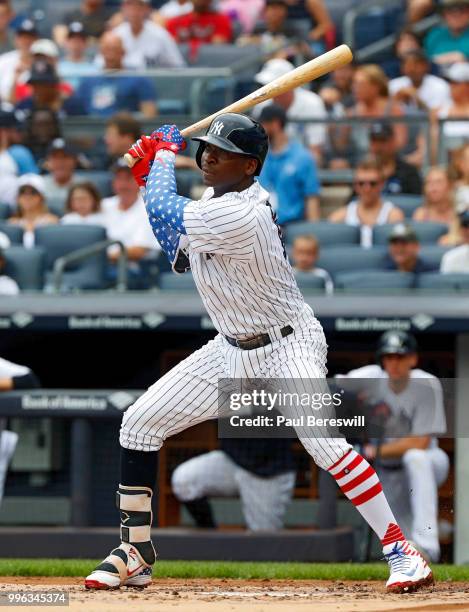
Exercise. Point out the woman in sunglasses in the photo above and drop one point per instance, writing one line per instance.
(368, 209)
(32, 209)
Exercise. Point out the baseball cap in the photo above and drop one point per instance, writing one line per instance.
(381, 131)
(26, 26)
(76, 28)
(59, 144)
(43, 71)
(32, 180)
(273, 69)
(402, 232)
(458, 72)
(44, 46)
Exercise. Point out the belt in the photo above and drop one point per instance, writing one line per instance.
(257, 341)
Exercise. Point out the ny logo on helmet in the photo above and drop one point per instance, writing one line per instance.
(217, 128)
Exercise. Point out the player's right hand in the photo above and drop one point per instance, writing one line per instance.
(144, 152)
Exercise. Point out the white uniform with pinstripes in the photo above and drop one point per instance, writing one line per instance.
(248, 287)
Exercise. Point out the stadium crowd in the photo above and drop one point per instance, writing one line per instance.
(386, 140)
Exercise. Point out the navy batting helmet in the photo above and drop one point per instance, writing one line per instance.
(238, 134)
(396, 343)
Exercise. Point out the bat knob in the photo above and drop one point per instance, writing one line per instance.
(129, 160)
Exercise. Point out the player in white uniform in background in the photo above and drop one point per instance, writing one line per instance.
(233, 246)
(411, 465)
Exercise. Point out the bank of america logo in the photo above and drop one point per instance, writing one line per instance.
(121, 400)
(422, 321)
(21, 319)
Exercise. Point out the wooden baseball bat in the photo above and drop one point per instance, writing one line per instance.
(315, 68)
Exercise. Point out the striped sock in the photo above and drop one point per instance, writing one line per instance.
(361, 485)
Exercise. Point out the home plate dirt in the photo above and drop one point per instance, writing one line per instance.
(168, 595)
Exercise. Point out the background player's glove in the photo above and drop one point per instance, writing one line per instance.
(168, 137)
(143, 150)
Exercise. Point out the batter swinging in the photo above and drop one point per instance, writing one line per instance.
(233, 246)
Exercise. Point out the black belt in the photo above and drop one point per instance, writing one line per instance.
(257, 341)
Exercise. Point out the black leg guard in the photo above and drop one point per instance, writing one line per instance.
(201, 511)
(134, 505)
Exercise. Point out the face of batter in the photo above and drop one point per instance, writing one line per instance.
(226, 171)
(398, 367)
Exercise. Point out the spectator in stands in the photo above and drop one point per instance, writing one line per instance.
(438, 205)
(368, 209)
(418, 9)
(8, 286)
(76, 63)
(304, 255)
(457, 259)
(111, 92)
(146, 44)
(14, 63)
(458, 75)
(83, 205)
(299, 104)
(322, 32)
(244, 13)
(400, 176)
(61, 163)
(289, 172)
(41, 126)
(47, 92)
(93, 14)
(125, 218)
(274, 33)
(7, 42)
(449, 43)
(32, 208)
(337, 90)
(403, 251)
(15, 159)
(370, 89)
(203, 25)
(417, 87)
(122, 130)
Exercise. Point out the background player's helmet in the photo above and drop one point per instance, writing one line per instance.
(238, 134)
(396, 343)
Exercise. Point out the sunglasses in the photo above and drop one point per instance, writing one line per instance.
(366, 183)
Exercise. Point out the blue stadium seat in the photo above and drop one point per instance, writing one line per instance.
(328, 234)
(100, 178)
(177, 282)
(56, 205)
(351, 259)
(14, 232)
(5, 210)
(447, 282)
(427, 233)
(60, 240)
(372, 279)
(432, 254)
(407, 202)
(306, 280)
(26, 267)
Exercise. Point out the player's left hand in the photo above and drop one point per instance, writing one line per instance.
(168, 137)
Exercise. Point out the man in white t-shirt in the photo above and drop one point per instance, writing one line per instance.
(417, 87)
(457, 260)
(147, 45)
(299, 104)
(125, 218)
(408, 407)
(14, 63)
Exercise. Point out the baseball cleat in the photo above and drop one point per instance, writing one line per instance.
(409, 570)
(124, 566)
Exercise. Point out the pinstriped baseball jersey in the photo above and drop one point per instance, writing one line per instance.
(238, 262)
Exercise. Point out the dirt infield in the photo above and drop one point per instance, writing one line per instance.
(167, 595)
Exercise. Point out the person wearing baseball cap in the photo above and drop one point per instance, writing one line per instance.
(449, 42)
(399, 175)
(61, 163)
(76, 63)
(458, 77)
(403, 251)
(457, 260)
(14, 64)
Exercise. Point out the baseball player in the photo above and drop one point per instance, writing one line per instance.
(260, 470)
(411, 465)
(230, 241)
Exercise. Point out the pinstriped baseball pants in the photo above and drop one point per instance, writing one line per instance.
(188, 393)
